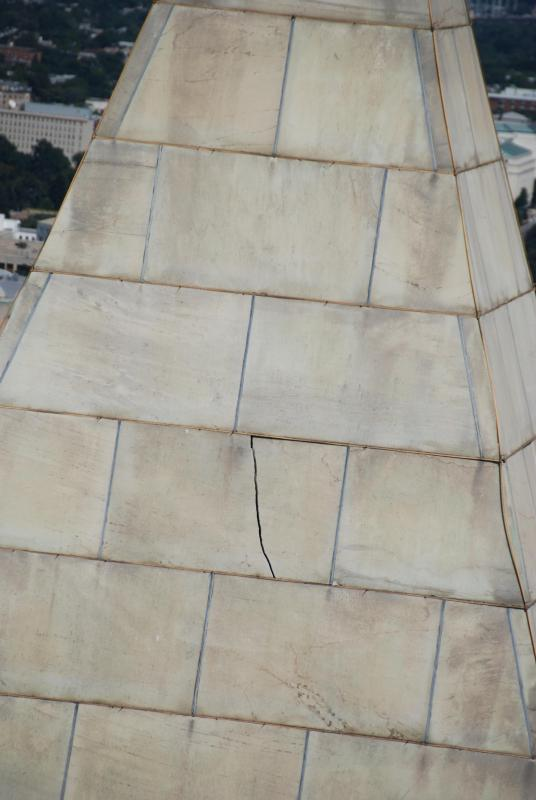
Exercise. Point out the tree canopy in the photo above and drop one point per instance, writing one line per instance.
(39, 180)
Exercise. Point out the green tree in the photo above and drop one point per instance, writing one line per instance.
(533, 198)
(521, 203)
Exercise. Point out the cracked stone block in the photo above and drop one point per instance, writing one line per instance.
(420, 260)
(247, 223)
(470, 124)
(368, 376)
(401, 531)
(91, 631)
(188, 498)
(214, 80)
(150, 352)
(34, 739)
(183, 757)
(335, 71)
(405, 12)
(360, 768)
(102, 225)
(322, 657)
(479, 701)
(56, 471)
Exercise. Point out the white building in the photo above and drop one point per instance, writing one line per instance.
(68, 127)
(517, 136)
(18, 233)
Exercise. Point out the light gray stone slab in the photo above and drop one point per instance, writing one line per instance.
(299, 488)
(91, 631)
(188, 498)
(336, 71)
(401, 530)
(127, 754)
(526, 667)
(367, 376)
(510, 339)
(102, 225)
(477, 701)
(55, 471)
(280, 227)
(320, 657)
(134, 69)
(421, 261)
(34, 739)
(405, 12)
(448, 13)
(213, 79)
(519, 475)
(469, 121)
(21, 314)
(363, 769)
(119, 349)
(496, 251)
(184, 498)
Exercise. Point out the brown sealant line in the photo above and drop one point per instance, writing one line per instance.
(343, 21)
(256, 434)
(347, 304)
(250, 576)
(473, 290)
(264, 723)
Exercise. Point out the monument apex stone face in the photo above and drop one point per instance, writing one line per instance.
(268, 429)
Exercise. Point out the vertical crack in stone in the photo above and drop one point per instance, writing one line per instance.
(257, 511)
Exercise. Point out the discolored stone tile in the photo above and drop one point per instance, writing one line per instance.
(129, 753)
(55, 471)
(34, 740)
(469, 121)
(271, 226)
(401, 531)
(510, 339)
(320, 657)
(478, 700)
(368, 376)
(93, 631)
(496, 252)
(190, 498)
(360, 768)
(211, 78)
(420, 259)
(405, 12)
(102, 225)
(335, 71)
(119, 349)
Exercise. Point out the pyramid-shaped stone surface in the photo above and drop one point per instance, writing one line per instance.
(268, 427)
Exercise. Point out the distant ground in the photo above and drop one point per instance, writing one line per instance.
(508, 50)
(62, 31)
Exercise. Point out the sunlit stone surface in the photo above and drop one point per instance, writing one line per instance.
(267, 416)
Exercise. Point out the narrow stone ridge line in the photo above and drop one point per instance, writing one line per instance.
(304, 765)
(259, 526)
(25, 327)
(520, 683)
(434, 675)
(69, 752)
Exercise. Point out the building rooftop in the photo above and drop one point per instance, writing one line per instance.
(514, 93)
(515, 126)
(58, 110)
(512, 150)
(10, 285)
